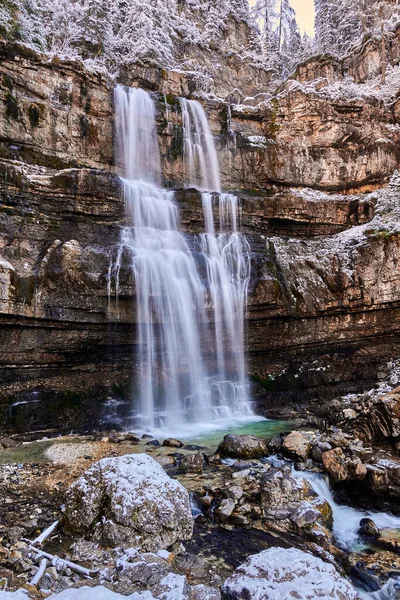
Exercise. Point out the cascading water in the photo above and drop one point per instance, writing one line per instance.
(346, 520)
(177, 385)
(226, 252)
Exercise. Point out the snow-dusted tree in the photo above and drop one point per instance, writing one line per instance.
(31, 21)
(281, 39)
(340, 24)
(8, 19)
(146, 31)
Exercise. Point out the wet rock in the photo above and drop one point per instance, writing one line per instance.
(214, 459)
(172, 443)
(275, 445)
(389, 539)
(281, 494)
(224, 510)
(242, 446)
(334, 462)
(316, 454)
(7, 442)
(153, 443)
(191, 464)
(127, 501)
(242, 465)
(132, 438)
(368, 529)
(374, 568)
(296, 445)
(286, 574)
(165, 461)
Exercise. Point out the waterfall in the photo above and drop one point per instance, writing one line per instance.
(200, 154)
(191, 368)
(226, 252)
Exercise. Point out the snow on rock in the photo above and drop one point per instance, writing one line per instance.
(87, 593)
(129, 501)
(18, 595)
(280, 574)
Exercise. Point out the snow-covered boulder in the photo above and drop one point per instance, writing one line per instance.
(280, 574)
(129, 501)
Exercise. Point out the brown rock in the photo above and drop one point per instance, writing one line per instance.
(297, 445)
(242, 446)
(334, 462)
(172, 443)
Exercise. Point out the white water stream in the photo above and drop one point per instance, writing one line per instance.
(346, 523)
(346, 520)
(190, 336)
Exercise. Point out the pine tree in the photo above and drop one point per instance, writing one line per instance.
(281, 39)
(340, 24)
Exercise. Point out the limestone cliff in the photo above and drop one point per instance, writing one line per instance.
(311, 174)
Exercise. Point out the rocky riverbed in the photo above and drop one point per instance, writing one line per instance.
(163, 519)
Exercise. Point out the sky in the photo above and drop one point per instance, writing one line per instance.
(305, 15)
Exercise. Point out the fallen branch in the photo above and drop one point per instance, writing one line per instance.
(60, 563)
(45, 534)
(40, 572)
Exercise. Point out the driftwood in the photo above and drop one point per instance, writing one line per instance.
(45, 534)
(61, 563)
(40, 572)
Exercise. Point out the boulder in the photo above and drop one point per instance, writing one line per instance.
(368, 529)
(224, 510)
(172, 443)
(7, 442)
(242, 446)
(129, 501)
(316, 511)
(296, 445)
(275, 444)
(356, 468)
(286, 574)
(191, 464)
(281, 494)
(334, 462)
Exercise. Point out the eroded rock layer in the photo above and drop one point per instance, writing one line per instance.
(324, 305)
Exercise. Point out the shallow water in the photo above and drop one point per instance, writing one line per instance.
(258, 426)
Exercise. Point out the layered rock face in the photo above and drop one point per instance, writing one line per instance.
(324, 305)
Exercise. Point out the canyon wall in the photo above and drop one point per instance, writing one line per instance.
(324, 304)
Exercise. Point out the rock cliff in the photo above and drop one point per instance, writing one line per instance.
(311, 175)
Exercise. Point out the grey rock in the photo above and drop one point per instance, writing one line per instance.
(281, 494)
(129, 501)
(224, 510)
